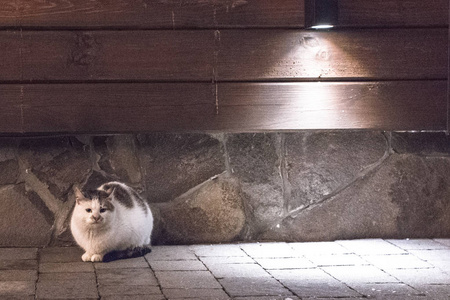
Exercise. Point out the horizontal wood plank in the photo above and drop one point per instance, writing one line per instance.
(410, 105)
(229, 55)
(370, 54)
(104, 108)
(242, 107)
(118, 55)
(10, 61)
(175, 14)
(386, 13)
(10, 109)
(170, 14)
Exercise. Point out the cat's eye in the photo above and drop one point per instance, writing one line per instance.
(88, 210)
(102, 210)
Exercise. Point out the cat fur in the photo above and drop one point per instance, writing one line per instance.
(112, 222)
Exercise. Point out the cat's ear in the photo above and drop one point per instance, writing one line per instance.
(78, 194)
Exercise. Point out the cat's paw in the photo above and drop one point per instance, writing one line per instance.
(86, 257)
(96, 257)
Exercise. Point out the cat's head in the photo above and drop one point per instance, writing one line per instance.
(95, 208)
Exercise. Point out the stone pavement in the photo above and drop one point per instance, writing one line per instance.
(356, 269)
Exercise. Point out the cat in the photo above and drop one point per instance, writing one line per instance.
(112, 222)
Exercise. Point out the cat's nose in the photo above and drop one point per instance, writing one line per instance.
(96, 218)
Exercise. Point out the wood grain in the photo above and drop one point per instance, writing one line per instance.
(162, 14)
(409, 105)
(113, 108)
(10, 112)
(390, 13)
(369, 54)
(232, 55)
(118, 55)
(176, 14)
(242, 107)
(10, 50)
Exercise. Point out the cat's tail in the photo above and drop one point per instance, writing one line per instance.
(127, 253)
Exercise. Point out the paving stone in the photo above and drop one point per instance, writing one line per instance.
(318, 289)
(218, 250)
(269, 250)
(16, 288)
(18, 264)
(256, 286)
(359, 274)
(444, 266)
(129, 276)
(79, 277)
(67, 289)
(171, 253)
(267, 298)
(371, 247)
(284, 263)
(126, 289)
(131, 263)
(432, 255)
(386, 262)
(337, 260)
(216, 294)
(209, 260)
(418, 244)
(18, 275)
(28, 297)
(60, 254)
(238, 270)
(421, 276)
(436, 292)
(319, 248)
(18, 253)
(382, 290)
(304, 275)
(186, 280)
(73, 267)
(445, 242)
(178, 265)
(134, 297)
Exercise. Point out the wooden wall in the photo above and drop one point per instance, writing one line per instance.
(75, 66)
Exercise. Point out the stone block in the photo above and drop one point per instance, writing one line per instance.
(422, 143)
(211, 213)
(18, 253)
(60, 254)
(21, 224)
(239, 287)
(171, 253)
(216, 294)
(319, 163)
(172, 164)
(18, 275)
(19, 289)
(71, 267)
(18, 264)
(58, 162)
(407, 196)
(238, 270)
(371, 247)
(67, 289)
(385, 290)
(137, 276)
(336, 260)
(418, 244)
(387, 262)
(284, 263)
(360, 274)
(118, 157)
(269, 250)
(125, 289)
(9, 171)
(177, 265)
(131, 263)
(256, 159)
(187, 280)
(218, 250)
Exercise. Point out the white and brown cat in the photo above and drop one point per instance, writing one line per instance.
(112, 222)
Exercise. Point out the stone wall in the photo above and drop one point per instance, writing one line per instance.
(212, 188)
